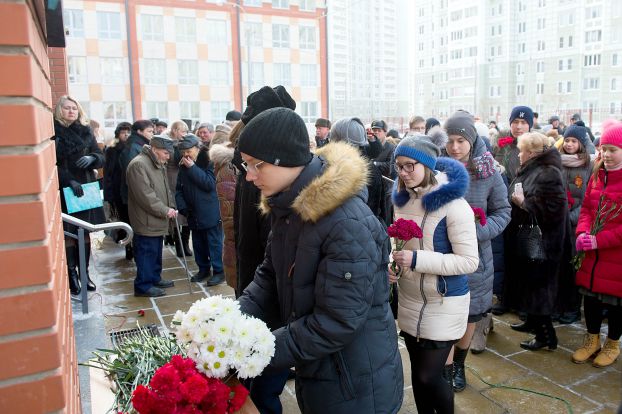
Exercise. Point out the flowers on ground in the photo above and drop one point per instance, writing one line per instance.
(219, 338)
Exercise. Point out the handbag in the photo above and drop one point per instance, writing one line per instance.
(529, 242)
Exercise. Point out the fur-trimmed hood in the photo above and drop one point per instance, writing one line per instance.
(337, 173)
(221, 155)
(453, 183)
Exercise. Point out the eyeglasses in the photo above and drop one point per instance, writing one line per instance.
(251, 167)
(408, 167)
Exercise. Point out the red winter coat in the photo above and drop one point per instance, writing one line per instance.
(601, 271)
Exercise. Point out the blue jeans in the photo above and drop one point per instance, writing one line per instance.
(148, 258)
(265, 391)
(207, 245)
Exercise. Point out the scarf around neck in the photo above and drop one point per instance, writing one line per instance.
(572, 161)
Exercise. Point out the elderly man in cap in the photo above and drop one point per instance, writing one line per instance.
(197, 199)
(555, 124)
(322, 132)
(151, 206)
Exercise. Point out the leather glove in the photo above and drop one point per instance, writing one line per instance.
(76, 187)
(586, 242)
(85, 161)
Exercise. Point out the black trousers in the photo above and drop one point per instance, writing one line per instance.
(594, 317)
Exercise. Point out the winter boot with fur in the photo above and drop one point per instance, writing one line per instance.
(480, 336)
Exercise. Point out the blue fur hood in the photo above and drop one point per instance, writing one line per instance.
(456, 186)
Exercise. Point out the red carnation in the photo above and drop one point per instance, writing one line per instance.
(480, 215)
(504, 142)
(570, 199)
(403, 230)
(194, 389)
(237, 398)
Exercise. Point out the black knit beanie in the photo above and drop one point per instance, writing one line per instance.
(266, 98)
(277, 136)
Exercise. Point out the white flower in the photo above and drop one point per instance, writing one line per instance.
(252, 367)
(202, 333)
(176, 321)
(184, 335)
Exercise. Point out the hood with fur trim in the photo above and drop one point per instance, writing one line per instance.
(221, 154)
(343, 175)
(453, 184)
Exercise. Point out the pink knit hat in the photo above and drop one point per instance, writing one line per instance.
(612, 134)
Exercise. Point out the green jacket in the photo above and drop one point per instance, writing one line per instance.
(149, 196)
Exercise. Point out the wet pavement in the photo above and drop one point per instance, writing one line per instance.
(503, 379)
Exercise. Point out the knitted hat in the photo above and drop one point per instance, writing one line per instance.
(322, 122)
(158, 141)
(266, 98)
(522, 112)
(431, 123)
(350, 130)
(188, 142)
(461, 123)
(277, 136)
(612, 135)
(578, 131)
(420, 148)
(233, 116)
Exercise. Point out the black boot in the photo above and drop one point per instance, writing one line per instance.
(74, 280)
(459, 374)
(448, 375)
(523, 326)
(185, 239)
(129, 252)
(168, 240)
(545, 335)
(90, 286)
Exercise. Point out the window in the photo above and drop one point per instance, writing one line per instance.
(569, 41)
(520, 90)
(112, 71)
(256, 75)
(522, 27)
(308, 75)
(560, 65)
(157, 110)
(254, 3)
(189, 110)
(280, 4)
(522, 48)
(307, 5)
(74, 22)
(280, 35)
(185, 29)
(114, 112)
(282, 74)
(539, 88)
(152, 27)
(593, 12)
(253, 34)
(540, 67)
(108, 25)
(593, 36)
(541, 45)
(591, 60)
(154, 71)
(520, 69)
(612, 108)
(541, 3)
(614, 84)
(216, 31)
(188, 72)
(76, 69)
(561, 42)
(569, 64)
(309, 111)
(307, 37)
(218, 73)
(219, 110)
(541, 23)
(614, 59)
(560, 87)
(568, 87)
(591, 83)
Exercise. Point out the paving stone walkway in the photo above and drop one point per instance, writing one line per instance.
(497, 379)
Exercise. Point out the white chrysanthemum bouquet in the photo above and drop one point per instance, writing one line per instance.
(219, 338)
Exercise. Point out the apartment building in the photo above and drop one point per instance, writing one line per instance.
(193, 60)
(486, 56)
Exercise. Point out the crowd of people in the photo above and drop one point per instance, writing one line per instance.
(297, 225)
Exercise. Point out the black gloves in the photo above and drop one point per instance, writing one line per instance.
(76, 188)
(85, 161)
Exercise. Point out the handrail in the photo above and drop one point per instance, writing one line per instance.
(99, 227)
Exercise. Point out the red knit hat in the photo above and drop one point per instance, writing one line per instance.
(612, 135)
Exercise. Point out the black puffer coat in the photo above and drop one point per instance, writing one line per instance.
(533, 287)
(324, 278)
(72, 143)
(113, 176)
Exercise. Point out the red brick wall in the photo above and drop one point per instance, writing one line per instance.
(38, 372)
(58, 71)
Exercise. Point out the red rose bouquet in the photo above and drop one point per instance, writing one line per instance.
(178, 387)
(480, 215)
(505, 141)
(402, 231)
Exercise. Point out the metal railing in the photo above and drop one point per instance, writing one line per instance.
(86, 226)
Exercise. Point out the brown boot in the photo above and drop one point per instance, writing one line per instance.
(608, 355)
(591, 345)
